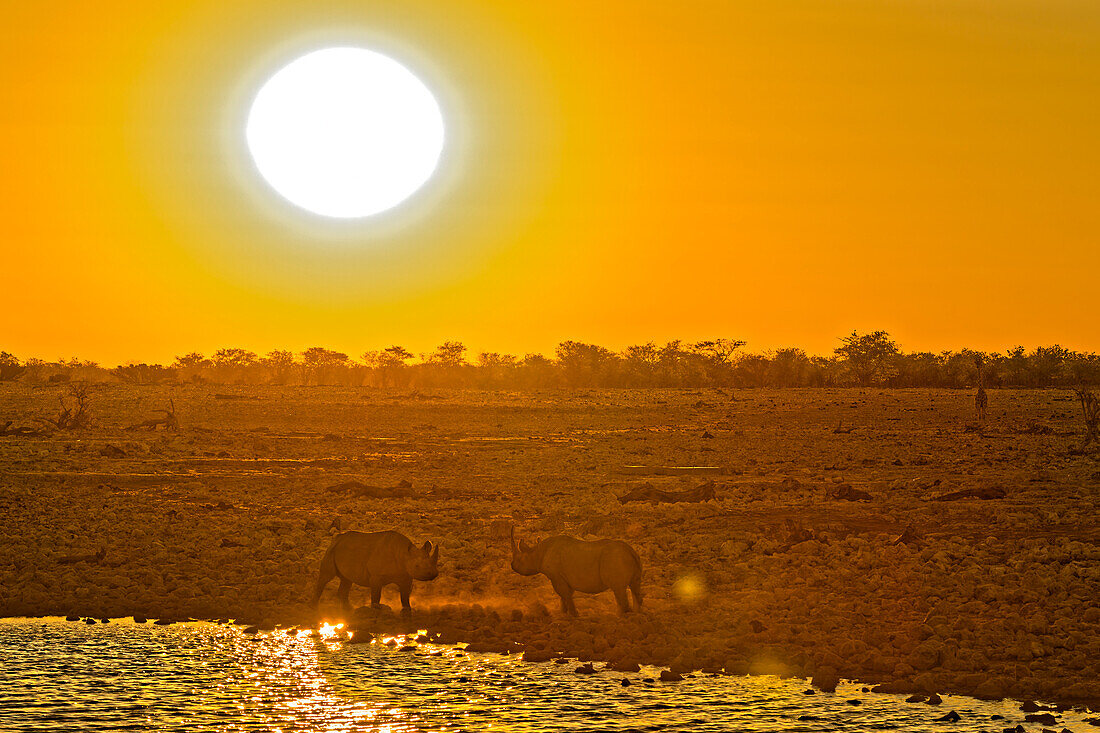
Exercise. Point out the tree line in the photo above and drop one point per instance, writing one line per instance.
(871, 359)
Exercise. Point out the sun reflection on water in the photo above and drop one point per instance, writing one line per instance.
(210, 677)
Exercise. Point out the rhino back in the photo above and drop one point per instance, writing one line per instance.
(361, 556)
(590, 566)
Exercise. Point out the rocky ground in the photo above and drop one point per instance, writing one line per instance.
(826, 551)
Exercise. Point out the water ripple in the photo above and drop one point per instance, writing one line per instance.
(125, 676)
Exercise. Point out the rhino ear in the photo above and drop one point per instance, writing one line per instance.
(426, 548)
(435, 552)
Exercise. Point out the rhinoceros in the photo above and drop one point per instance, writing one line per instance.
(373, 560)
(579, 565)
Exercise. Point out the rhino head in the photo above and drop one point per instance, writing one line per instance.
(422, 563)
(524, 559)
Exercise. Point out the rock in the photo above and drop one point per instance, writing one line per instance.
(625, 682)
(140, 620)
(933, 699)
(951, 717)
(667, 675)
(916, 698)
(89, 620)
(538, 655)
(854, 702)
(585, 669)
(825, 679)
(990, 690)
(1044, 718)
(72, 618)
(1030, 706)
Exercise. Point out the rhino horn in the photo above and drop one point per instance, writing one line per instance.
(435, 552)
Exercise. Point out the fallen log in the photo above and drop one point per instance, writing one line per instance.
(168, 422)
(19, 431)
(846, 492)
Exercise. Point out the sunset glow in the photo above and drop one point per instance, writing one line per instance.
(780, 173)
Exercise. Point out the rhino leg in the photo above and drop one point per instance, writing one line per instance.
(405, 588)
(622, 599)
(343, 593)
(566, 595)
(636, 591)
(375, 593)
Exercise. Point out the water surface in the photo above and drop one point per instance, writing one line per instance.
(58, 675)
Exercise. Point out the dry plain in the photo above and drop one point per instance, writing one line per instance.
(228, 517)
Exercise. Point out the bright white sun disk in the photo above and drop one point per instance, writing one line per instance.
(345, 132)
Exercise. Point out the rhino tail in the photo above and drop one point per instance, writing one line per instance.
(636, 581)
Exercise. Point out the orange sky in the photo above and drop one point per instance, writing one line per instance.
(616, 172)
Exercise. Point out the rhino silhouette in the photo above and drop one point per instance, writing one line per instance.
(581, 565)
(374, 560)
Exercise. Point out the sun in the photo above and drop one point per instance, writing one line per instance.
(345, 132)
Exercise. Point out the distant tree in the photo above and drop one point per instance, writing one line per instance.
(495, 370)
(583, 365)
(678, 366)
(389, 365)
(324, 366)
(190, 367)
(790, 368)
(752, 370)
(537, 371)
(869, 358)
(640, 365)
(10, 368)
(233, 358)
(192, 360)
(449, 355)
(233, 365)
(316, 356)
(279, 367)
(1047, 365)
(144, 374)
(920, 369)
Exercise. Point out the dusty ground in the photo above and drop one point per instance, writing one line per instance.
(229, 516)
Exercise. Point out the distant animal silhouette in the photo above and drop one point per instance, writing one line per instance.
(374, 560)
(586, 566)
(981, 400)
